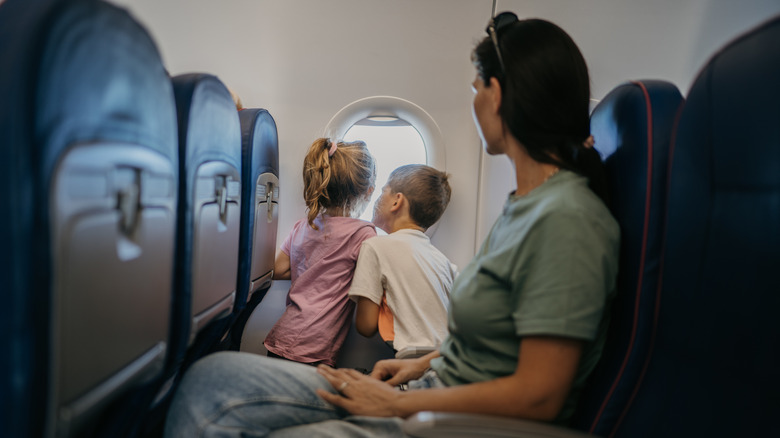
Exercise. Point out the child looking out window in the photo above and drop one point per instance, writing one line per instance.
(402, 282)
(320, 253)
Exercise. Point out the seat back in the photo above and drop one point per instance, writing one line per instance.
(362, 353)
(716, 352)
(259, 213)
(632, 126)
(260, 201)
(209, 209)
(89, 150)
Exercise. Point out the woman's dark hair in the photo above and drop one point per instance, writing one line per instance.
(545, 95)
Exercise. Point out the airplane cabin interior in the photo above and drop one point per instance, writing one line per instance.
(151, 165)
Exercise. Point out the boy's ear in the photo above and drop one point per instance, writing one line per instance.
(398, 201)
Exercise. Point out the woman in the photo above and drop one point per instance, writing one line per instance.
(527, 318)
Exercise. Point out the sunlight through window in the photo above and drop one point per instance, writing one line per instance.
(393, 142)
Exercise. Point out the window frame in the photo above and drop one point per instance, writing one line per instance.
(389, 106)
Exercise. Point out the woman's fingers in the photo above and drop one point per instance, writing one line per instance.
(328, 373)
(357, 393)
(337, 400)
(339, 379)
(331, 398)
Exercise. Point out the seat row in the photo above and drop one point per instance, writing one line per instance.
(693, 347)
(141, 219)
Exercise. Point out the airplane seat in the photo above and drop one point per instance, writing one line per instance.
(209, 214)
(632, 127)
(259, 214)
(88, 127)
(713, 368)
(360, 352)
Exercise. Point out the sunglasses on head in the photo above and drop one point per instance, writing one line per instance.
(495, 25)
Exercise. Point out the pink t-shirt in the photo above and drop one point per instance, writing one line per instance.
(319, 311)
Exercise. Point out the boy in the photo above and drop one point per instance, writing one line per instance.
(402, 282)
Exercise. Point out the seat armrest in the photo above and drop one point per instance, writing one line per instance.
(413, 352)
(443, 424)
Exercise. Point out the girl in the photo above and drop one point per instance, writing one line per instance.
(320, 253)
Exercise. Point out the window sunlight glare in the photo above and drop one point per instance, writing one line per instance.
(393, 143)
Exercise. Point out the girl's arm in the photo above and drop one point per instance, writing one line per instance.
(537, 389)
(367, 317)
(282, 266)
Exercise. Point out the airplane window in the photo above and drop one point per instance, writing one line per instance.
(396, 131)
(393, 142)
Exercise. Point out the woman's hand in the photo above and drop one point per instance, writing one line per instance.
(397, 371)
(359, 394)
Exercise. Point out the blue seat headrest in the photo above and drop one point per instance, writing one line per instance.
(733, 115)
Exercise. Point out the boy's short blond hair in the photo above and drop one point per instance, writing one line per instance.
(427, 190)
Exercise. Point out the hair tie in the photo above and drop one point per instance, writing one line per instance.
(589, 142)
(333, 147)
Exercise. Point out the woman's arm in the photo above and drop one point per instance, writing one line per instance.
(282, 266)
(397, 371)
(537, 389)
(367, 317)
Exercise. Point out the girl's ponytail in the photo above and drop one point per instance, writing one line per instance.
(337, 175)
(316, 177)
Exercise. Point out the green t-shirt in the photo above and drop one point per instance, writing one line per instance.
(548, 267)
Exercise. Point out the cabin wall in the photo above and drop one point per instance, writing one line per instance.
(304, 60)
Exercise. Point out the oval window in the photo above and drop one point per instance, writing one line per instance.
(396, 131)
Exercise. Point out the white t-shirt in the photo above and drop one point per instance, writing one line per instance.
(415, 278)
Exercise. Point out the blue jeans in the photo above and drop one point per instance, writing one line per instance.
(233, 394)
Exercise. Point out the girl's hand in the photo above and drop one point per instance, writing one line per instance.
(397, 371)
(359, 394)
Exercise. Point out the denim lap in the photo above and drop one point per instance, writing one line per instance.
(233, 394)
(428, 380)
